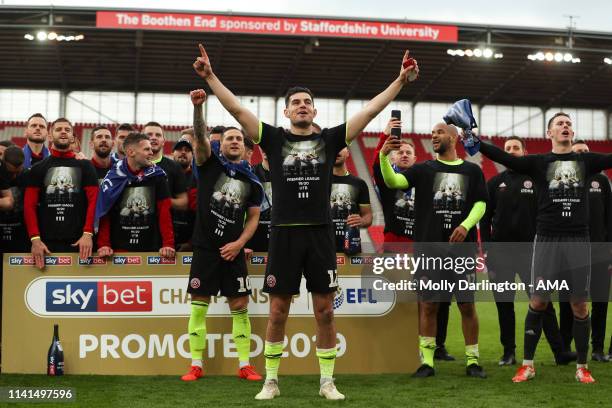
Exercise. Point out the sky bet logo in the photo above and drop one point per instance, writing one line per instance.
(362, 260)
(126, 260)
(187, 259)
(259, 260)
(92, 260)
(49, 260)
(159, 260)
(86, 296)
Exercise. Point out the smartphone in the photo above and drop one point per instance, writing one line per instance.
(396, 132)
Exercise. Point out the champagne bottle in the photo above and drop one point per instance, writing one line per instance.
(55, 356)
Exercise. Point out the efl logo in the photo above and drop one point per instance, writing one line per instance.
(340, 260)
(362, 260)
(126, 260)
(92, 260)
(159, 260)
(187, 259)
(259, 260)
(120, 296)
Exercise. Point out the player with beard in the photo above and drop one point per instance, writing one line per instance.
(122, 131)
(261, 238)
(511, 217)
(561, 246)
(349, 200)
(133, 209)
(176, 178)
(102, 145)
(183, 220)
(302, 240)
(36, 134)
(398, 211)
(60, 199)
(229, 196)
(457, 190)
(600, 230)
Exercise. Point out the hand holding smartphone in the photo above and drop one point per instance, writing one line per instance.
(395, 131)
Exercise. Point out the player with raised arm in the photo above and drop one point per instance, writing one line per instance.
(452, 198)
(301, 239)
(561, 245)
(229, 196)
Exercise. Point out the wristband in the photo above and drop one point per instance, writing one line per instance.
(88, 233)
(35, 237)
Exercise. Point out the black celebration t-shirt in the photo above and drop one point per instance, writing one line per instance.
(223, 200)
(261, 238)
(134, 219)
(560, 181)
(62, 204)
(447, 193)
(301, 170)
(348, 193)
(13, 233)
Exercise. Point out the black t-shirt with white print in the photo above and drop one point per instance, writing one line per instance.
(13, 233)
(446, 194)
(62, 200)
(398, 206)
(301, 171)
(348, 193)
(261, 238)
(134, 217)
(223, 200)
(560, 181)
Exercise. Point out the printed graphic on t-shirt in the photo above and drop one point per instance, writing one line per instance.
(403, 209)
(343, 200)
(449, 196)
(266, 204)
(228, 201)
(565, 180)
(11, 219)
(565, 184)
(302, 163)
(61, 186)
(137, 212)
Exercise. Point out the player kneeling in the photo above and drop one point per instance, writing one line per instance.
(228, 192)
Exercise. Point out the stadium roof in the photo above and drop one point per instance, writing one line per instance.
(349, 68)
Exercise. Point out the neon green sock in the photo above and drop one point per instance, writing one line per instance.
(197, 329)
(241, 332)
(327, 360)
(471, 354)
(273, 353)
(427, 346)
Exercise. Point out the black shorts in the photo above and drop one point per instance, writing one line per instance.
(302, 249)
(505, 260)
(563, 264)
(211, 274)
(437, 283)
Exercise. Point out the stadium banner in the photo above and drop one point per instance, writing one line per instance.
(128, 315)
(308, 27)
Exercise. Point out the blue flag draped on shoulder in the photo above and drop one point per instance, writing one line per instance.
(117, 178)
(242, 167)
(27, 155)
